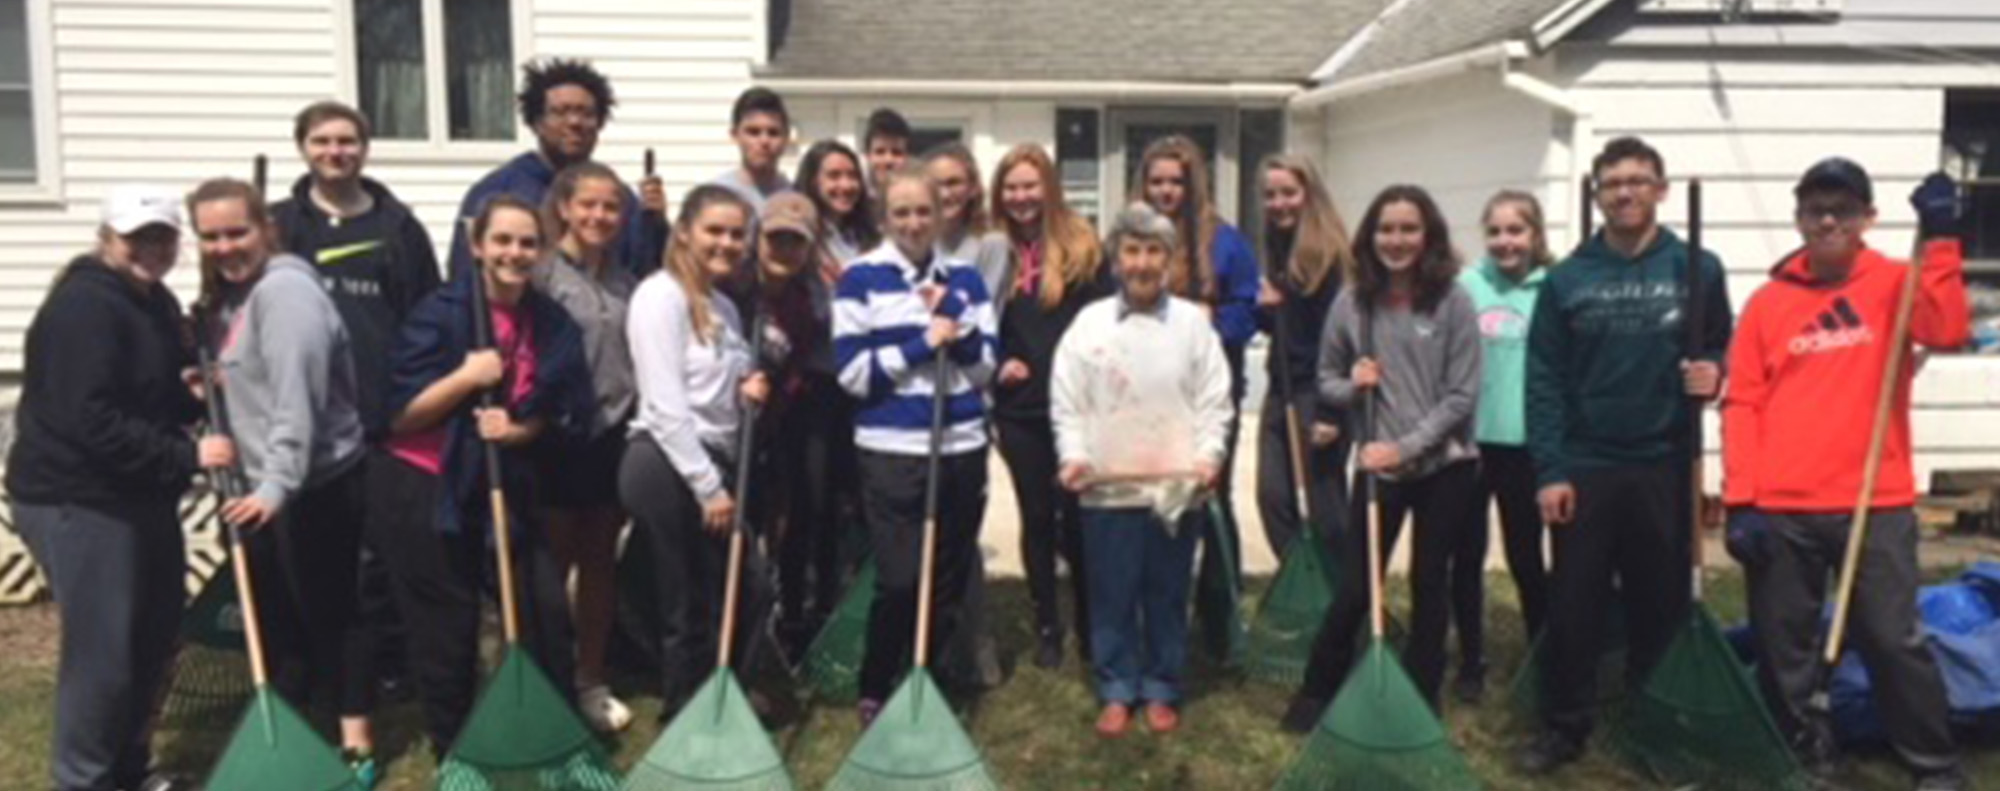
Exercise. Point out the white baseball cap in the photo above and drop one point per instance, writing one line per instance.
(129, 207)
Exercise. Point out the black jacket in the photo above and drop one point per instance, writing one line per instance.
(1304, 316)
(104, 413)
(1029, 332)
(376, 267)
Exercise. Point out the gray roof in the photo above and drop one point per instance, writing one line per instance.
(1431, 29)
(1137, 40)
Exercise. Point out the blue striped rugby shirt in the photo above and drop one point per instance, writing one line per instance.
(878, 339)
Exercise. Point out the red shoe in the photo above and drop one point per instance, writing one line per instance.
(1162, 718)
(1112, 721)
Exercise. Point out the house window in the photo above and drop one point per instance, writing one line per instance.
(1972, 156)
(1077, 153)
(436, 69)
(924, 137)
(17, 97)
(1260, 134)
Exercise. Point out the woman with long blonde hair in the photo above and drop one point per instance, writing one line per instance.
(965, 230)
(694, 372)
(1214, 266)
(1057, 270)
(1307, 261)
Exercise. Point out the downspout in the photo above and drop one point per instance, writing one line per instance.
(1581, 128)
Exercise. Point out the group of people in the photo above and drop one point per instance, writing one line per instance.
(623, 347)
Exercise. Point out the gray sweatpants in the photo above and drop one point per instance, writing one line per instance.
(1788, 590)
(116, 569)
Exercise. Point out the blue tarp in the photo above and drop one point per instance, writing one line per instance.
(1962, 624)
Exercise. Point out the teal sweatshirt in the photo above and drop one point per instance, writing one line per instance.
(1504, 306)
(1605, 352)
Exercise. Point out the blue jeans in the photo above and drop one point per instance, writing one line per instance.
(1139, 581)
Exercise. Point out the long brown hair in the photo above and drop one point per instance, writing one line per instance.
(1070, 254)
(222, 189)
(1437, 264)
(681, 265)
(1192, 274)
(1539, 254)
(1320, 247)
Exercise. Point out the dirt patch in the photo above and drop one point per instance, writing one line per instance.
(29, 636)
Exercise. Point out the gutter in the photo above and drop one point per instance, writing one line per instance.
(1034, 89)
(1493, 56)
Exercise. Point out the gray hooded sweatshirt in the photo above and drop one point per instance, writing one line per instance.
(288, 376)
(1430, 377)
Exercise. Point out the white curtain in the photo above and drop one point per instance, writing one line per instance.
(479, 57)
(389, 43)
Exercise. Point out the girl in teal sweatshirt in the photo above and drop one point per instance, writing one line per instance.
(1503, 287)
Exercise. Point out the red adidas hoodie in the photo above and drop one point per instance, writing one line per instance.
(1804, 371)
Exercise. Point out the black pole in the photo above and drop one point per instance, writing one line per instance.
(482, 338)
(1588, 203)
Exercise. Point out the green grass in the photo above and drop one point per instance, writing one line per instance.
(1035, 729)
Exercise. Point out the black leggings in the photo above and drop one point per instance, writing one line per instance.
(1507, 476)
(689, 565)
(893, 495)
(1443, 502)
(1051, 521)
(304, 567)
(814, 477)
(439, 578)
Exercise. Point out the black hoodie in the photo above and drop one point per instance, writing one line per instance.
(375, 266)
(104, 413)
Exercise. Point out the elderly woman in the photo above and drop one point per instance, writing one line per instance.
(1142, 364)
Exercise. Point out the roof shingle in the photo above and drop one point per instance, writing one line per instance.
(1137, 40)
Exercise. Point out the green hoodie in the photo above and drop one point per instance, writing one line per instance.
(1604, 355)
(1504, 306)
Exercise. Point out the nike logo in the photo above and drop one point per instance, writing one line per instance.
(335, 255)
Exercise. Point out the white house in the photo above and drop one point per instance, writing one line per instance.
(1463, 96)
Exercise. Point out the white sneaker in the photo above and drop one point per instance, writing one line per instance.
(604, 712)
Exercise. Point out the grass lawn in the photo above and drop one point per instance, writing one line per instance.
(1035, 729)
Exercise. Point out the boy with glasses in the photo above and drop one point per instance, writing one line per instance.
(1810, 355)
(1609, 382)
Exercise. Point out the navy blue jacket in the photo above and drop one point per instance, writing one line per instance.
(434, 342)
(528, 177)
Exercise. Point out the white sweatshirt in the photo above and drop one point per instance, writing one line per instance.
(1137, 393)
(687, 386)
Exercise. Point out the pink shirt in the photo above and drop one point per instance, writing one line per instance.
(513, 333)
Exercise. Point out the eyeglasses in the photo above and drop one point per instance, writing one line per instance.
(1838, 212)
(573, 112)
(1621, 185)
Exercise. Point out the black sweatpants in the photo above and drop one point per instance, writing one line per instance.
(1326, 479)
(1787, 593)
(1051, 521)
(440, 579)
(304, 566)
(690, 565)
(1443, 503)
(1632, 526)
(892, 496)
(1507, 478)
(116, 569)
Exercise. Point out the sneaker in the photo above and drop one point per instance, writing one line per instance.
(363, 766)
(1113, 719)
(1548, 752)
(162, 781)
(1952, 779)
(1048, 651)
(1162, 718)
(1303, 715)
(606, 714)
(1468, 689)
(869, 709)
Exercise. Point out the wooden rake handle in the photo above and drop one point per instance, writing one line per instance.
(1885, 402)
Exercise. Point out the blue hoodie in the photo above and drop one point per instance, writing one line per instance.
(434, 342)
(528, 177)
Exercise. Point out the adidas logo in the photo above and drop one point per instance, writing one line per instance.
(1837, 327)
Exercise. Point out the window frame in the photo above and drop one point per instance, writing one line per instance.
(46, 186)
(437, 102)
